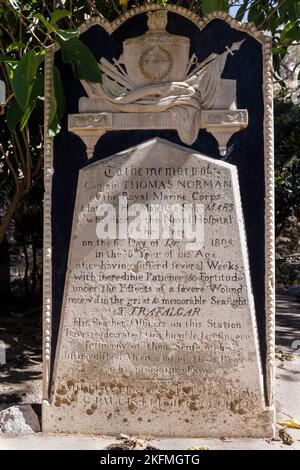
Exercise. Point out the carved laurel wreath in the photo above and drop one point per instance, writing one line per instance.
(155, 74)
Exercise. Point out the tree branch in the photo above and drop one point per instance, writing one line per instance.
(265, 21)
(11, 168)
(9, 213)
(27, 173)
(115, 7)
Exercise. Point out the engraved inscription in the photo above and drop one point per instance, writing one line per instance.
(148, 327)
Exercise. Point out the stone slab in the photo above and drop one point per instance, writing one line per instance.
(158, 336)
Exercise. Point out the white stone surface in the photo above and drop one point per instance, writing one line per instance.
(51, 442)
(68, 442)
(12, 421)
(155, 338)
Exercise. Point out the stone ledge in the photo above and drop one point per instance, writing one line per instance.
(90, 127)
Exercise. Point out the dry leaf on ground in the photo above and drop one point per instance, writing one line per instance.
(289, 423)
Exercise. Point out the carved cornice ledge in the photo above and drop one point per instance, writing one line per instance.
(90, 127)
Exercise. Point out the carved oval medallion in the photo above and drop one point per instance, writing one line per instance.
(155, 63)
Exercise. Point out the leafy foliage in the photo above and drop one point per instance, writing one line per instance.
(26, 53)
(75, 53)
(57, 103)
(208, 6)
(287, 161)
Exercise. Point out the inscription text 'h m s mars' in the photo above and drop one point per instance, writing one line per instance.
(152, 221)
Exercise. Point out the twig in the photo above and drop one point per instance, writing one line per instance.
(15, 138)
(94, 8)
(4, 105)
(11, 168)
(246, 9)
(280, 3)
(5, 221)
(36, 171)
(115, 7)
(25, 136)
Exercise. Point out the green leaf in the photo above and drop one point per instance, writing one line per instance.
(28, 87)
(23, 79)
(82, 61)
(66, 34)
(37, 92)
(57, 109)
(290, 33)
(53, 121)
(13, 115)
(8, 59)
(50, 28)
(241, 12)
(279, 50)
(16, 45)
(38, 88)
(59, 92)
(256, 14)
(26, 115)
(58, 15)
(54, 127)
(40, 57)
(288, 10)
(208, 6)
(274, 24)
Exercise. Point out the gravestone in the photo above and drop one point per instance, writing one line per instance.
(158, 269)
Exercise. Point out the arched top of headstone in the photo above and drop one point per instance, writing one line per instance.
(201, 22)
(156, 72)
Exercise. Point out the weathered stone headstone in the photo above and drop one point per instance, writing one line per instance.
(158, 280)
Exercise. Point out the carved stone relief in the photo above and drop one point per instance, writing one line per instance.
(153, 76)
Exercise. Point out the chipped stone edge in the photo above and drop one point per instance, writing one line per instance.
(269, 179)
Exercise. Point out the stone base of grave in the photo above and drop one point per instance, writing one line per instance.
(258, 425)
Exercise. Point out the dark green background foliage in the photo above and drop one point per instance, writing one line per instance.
(287, 160)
